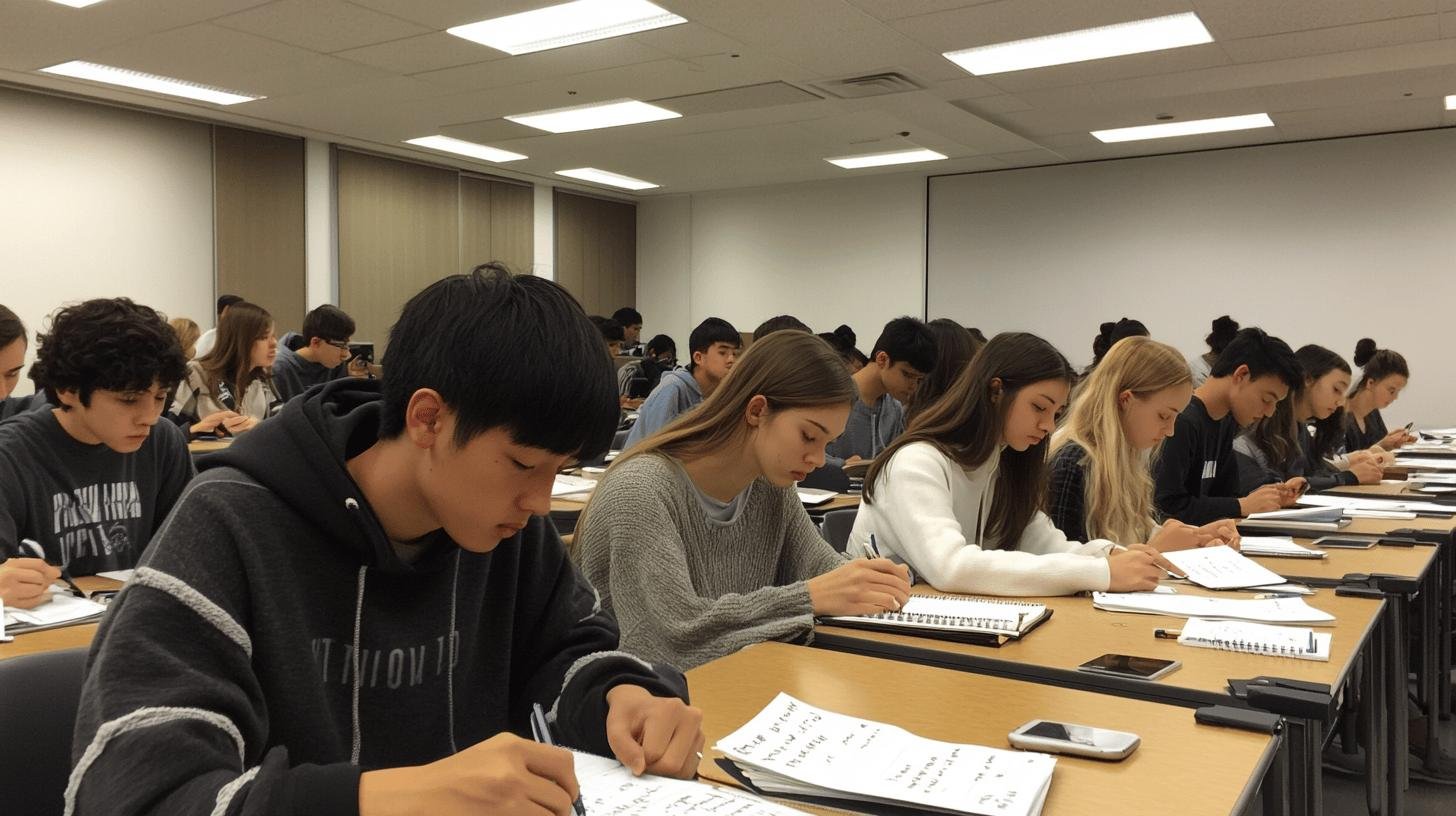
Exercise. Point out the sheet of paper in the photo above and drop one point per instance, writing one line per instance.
(571, 486)
(1428, 463)
(1391, 504)
(62, 607)
(1275, 545)
(609, 789)
(802, 744)
(814, 496)
(1266, 610)
(117, 575)
(1221, 568)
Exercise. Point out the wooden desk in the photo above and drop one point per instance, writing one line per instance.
(208, 445)
(1203, 769)
(65, 637)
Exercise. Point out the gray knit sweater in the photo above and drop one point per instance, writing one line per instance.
(686, 589)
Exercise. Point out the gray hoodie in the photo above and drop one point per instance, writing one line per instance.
(677, 393)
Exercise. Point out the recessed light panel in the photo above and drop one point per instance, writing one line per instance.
(567, 24)
(147, 82)
(1190, 128)
(604, 177)
(595, 115)
(1136, 37)
(464, 148)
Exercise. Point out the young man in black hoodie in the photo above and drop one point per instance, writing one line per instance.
(353, 609)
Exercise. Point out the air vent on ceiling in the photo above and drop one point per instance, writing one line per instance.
(887, 82)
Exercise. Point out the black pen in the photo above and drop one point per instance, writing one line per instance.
(1167, 634)
(34, 547)
(542, 732)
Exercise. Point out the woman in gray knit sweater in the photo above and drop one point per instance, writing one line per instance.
(696, 538)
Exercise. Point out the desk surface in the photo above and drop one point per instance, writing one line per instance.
(1205, 769)
(1407, 561)
(1077, 633)
(66, 637)
(208, 445)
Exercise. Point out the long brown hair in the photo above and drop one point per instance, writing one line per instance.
(955, 346)
(966, 425)
(231, 358)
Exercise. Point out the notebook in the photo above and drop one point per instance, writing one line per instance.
(609, 788)
(1277, 547)
(1302, 520)
(795, 750)
(63, 609)
(1257, 638)
(814, 497)
(984, 621)
(1221, 567)
(574, 486)
(1264, 610)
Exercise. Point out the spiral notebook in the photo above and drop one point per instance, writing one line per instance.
(984, 621)
(1257, 638)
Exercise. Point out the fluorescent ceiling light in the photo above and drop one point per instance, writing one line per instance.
(595, 115)
(603, 177)
(77, 3)
(1451, 102)
(881, 159)
(464, 148)
(1136, 37)
(147, 82)
(566, 24)
(1133, 134)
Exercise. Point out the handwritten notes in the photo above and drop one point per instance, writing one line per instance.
(1221, 568)
(608, 789)
(1268, 610)
(792, 747)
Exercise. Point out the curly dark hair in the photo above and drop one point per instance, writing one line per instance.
(111, 344)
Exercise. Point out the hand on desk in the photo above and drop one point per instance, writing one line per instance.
(24, 582)
(1291, 490)
(864, 586)
(657, 735)
(1175, 535)
(237, 423)
(1135, 569)
(1368, 469)
(212, 423)
(1266, 499)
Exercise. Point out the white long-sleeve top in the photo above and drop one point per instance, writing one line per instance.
(930, 513)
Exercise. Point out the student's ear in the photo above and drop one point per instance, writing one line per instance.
(425, 418)
(698, 358)
(1124, 399)
(69, 397)
(1241, 374)
(757, 411)
(996, 388)
(882, 359)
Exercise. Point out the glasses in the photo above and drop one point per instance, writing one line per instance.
(338, 344)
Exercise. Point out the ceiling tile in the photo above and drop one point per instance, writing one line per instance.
(1379, 117)
(320, 25)
(1236, 19)
(443, 14)
(1019, 19)
(688, 40)
(428, 52)
(578, 59)
(985, 105)
(35, 34)
(1330, 40)
(897, 9)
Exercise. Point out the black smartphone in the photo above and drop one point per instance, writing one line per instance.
(1343, 543)
(1139, 668)
(363, 352)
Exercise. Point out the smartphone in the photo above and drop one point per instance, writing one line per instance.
(1138, 668)
(1077, 740)
(1343, 543)
(363, 352)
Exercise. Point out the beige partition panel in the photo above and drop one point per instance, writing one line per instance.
(596, 251)
(398, 231)
(258, 211)
(496, 221)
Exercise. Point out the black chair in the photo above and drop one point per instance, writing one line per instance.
(620, 439)
(39, 694)
(836, 526)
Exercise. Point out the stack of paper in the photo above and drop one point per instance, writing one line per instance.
(609, 788)
(1221, 567)
(1365, 505)
(1277, 547)
(1267, 610)
(794, 749)
(63, 609)
(1426, 463)
(813, 496)
(574, 486)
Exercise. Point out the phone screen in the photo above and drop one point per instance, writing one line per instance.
(1049, 730)
(1142, 667)
(1344, 543)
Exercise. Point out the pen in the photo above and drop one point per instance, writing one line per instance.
(1167, 634)
(542, 732)
(874, 552)
(1311, 641)
(34, 547)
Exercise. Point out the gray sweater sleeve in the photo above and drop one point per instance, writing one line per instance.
(806, 553)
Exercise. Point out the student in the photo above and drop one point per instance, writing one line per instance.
(1221, 334)
(901, 358)
(955, 347)
(1109, 334)
(713, 347)
(187, 332)
(637, 378)
(353, 609)
(612, 333)
(1101, 486)
(316, 355)
(13, 344)
(91, 480)
(1280, 448)
(958, 496)
(842, 341)
(1383, 375)
(631, 322)
(230, 390)
(696, 538)
(209, 337)
(1197, 476)
(780, 323)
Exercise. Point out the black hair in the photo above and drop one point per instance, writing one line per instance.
(907, 340)
(627, 316)
(611, 330)
(1263, 354)
(503, 351)
(1223, 330)
(710, 331)
(660, 343)
(1109, 333)
(225, 301)
(955, 347)
(1329, 433)
(1377, 363)
(1277, 435)
(327, 322)
(780, 323)
(107, 344)
(978, 334)
(11, 328)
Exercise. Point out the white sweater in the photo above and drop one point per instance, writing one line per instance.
(930, 513)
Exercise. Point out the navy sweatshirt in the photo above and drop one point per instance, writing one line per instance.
(1196, 475)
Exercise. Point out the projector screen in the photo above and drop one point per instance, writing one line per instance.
(1316, 242)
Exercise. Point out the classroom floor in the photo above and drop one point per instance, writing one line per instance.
(1345, 796)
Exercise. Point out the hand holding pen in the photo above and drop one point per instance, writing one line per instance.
(541, 731)
(25, 580)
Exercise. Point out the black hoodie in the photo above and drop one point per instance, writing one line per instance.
(224, 678)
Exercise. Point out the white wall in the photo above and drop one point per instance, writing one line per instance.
(101, 202)
(826, 252)
(1318, 242)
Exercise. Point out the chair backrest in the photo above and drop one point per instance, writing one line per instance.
(39, 694)
(836, 526)
(620, 439)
